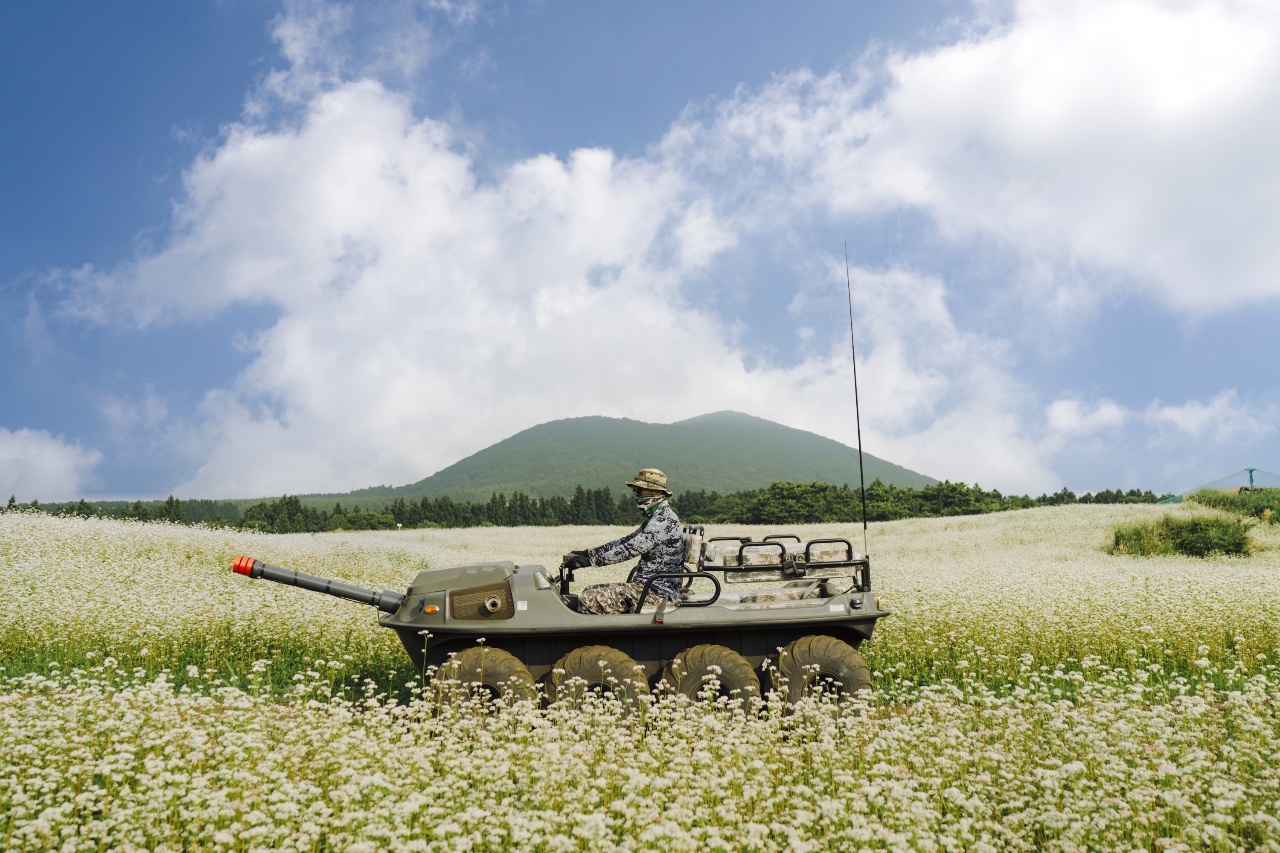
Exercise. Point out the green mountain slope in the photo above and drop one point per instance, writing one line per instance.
(724, 452)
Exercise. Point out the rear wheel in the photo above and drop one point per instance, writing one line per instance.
(821, 664)
(698, 667)
(600, 669)
(499, 674)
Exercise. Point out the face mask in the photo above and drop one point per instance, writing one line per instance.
(648, 503)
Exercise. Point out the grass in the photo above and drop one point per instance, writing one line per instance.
(1263, 504)
(1199, 536)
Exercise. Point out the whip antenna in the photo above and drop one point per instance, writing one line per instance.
(857, 412)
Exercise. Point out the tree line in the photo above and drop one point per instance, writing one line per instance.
(587, 506)
(780, 503)
(213, 513)
(807, 503)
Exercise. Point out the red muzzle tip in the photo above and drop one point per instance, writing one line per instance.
(243, 565)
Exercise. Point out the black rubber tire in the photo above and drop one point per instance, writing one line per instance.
(839, 668)
(603, 668)
(687, 673)
(499, 673)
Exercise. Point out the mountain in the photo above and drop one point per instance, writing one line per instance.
(723, 452)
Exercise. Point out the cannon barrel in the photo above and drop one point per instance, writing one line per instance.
(386, 601)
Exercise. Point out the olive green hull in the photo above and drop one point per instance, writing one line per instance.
(519, 609)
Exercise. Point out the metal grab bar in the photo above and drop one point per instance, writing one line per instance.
(845, 542)
(648, 584)
(742, 550)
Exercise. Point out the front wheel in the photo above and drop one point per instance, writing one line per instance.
(499, 674)
(822, 664)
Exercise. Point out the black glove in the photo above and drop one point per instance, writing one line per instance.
(577, 560)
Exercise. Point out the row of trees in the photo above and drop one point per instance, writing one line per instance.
(196, 511)
(800, 503)
(780, 503)
(587, 506)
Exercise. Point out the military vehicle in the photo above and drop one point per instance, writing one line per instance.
(796, 611)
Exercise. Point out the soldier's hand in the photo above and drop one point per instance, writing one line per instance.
(578, 560)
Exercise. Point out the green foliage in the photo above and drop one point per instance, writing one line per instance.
(286, 515)
(1192, 537)
(1143, 539)
(358, 519)
(210, 512)
(808, 503)
(137, 512)
(198, 511)
(82, 509)
(1263, 504)
(1200, 537)
(1115, 496)
(290, 514)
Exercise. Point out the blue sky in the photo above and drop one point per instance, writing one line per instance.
(255, 247)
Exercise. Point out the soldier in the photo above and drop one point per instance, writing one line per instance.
(658, 542)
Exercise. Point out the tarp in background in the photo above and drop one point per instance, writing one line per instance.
(1244, 478)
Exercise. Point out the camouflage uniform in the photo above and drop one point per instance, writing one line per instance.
(614, 598)
(659, 543)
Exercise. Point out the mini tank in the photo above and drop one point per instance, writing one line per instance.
(793, 611)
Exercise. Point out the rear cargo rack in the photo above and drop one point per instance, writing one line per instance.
(777, 557)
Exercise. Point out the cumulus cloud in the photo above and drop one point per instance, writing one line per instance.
(935, 397)
(1069, 418)
(1107, 139)
(1157, 445)
(424, 311)
(37, 465)
(324, 43)
(1224, 418)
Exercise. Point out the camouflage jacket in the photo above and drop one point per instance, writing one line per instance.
(659, 543)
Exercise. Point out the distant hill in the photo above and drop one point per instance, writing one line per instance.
(723, 452)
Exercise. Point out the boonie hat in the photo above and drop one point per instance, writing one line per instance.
(650, 478)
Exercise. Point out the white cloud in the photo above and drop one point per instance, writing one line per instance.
(1069, 418)
(701, 236)
(458, 11)
(306, 32)
(37, 465)
(1223, 419)
(1138, 138)
(425, 312)
(124, 416)
(935, 398)
(422, 314)
(325, 43)
(1160, 445)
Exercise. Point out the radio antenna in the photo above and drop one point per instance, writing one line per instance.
(857, 412)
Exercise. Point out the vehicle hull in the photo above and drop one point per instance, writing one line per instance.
(534, 623)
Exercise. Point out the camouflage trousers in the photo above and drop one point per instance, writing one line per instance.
(606, 598)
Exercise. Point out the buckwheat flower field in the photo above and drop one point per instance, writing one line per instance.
(1032, 693)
